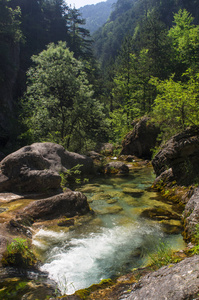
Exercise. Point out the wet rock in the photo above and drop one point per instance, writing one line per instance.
(66, 222)
(66, 204)
(177, 282)
(116, 167)
(36, 167)
(141, 139)
(133, 192)
(178, 159)
(159, 213)
(115, 209)
(172, 226)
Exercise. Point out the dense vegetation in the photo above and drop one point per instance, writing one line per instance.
(96, 15)
(53, 88)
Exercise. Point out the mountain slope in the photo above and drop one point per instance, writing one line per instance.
(96, 15)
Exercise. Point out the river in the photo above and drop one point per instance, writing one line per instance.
(111, 242)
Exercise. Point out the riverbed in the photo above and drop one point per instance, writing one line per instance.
(112, 241)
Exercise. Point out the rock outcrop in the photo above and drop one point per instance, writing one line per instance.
(191, 215)
(178, 281)
(141, 139)
(179, 158)
(36, 168)
(67, 204)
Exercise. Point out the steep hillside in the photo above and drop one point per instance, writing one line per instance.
(96, 15)
(128, 15)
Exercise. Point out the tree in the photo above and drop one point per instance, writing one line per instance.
(80, 42)
(177, 103)
(58, 105)
(185, 38)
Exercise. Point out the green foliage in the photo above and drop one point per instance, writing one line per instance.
(119, 124)
(18, 254)
(185, 39)
(59, 104)
(195, 249)
(162, 256)
(72, 176)
(176, 105)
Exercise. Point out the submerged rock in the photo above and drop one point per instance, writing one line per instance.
(36, 167)
(133, 192)
(177, 282)
(159, 213)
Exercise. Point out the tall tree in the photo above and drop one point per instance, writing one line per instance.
(59, 105)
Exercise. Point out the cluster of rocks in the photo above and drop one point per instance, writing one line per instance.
(37, 168)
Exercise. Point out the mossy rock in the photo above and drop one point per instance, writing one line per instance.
(115, 209)
(133, 192)
(91, 188)
(101, 196)
(172, 226)
(159, 213)
(111, 201)
(84, 293)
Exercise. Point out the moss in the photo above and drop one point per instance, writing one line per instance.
(18, 254)
(84, 293)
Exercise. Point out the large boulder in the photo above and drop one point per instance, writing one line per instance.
(36, 168)
(179, 157)
(141, 139)
(177, 282)
(67, 204)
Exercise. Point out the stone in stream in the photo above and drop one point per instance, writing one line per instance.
(133, 192)
(116, 167)
(67, 204)
(36, 168)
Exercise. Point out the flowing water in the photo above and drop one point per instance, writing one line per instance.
(113, 241)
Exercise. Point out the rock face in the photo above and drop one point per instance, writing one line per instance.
(141, 139)
(36, 167)
(176, 282)
(66, 204)
(191, 215)
(179, 157)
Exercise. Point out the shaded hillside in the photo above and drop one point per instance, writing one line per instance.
(96, 15)
(128, 15)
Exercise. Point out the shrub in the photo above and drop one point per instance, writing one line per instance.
(18, 254)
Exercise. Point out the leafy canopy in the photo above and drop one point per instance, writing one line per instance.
(59, 104)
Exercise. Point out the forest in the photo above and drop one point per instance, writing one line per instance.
(60, 84)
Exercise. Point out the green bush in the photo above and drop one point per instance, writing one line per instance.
(18, 254)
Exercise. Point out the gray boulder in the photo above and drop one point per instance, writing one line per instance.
(36, 168)
(141, 139)
(67, 204)
(177, 282)
(116, 167)
(191, 215)
(180, 155)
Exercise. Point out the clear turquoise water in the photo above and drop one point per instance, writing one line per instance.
(113, 241)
